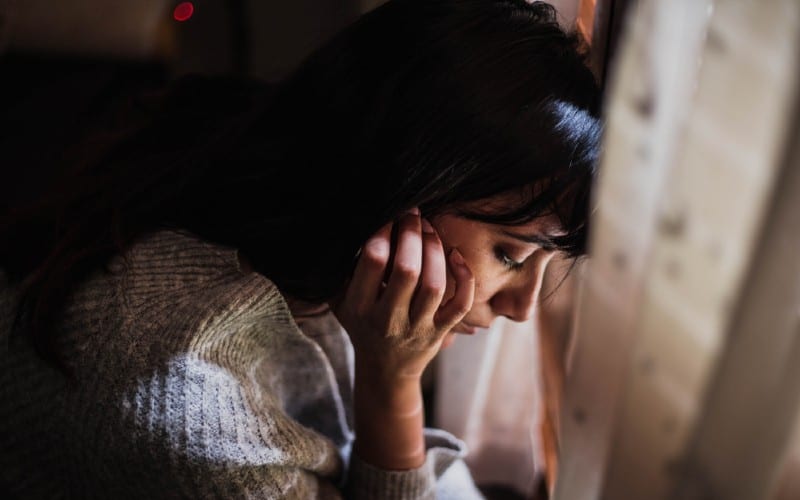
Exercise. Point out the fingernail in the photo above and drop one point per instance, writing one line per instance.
(426, 227)
(413, 211)
(457, 258)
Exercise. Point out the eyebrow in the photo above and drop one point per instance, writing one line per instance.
(536, 239)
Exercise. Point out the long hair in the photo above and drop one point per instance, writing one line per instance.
(427, 103)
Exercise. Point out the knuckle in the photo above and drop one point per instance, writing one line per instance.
(375, 254)
(406, 271)
(432, 288)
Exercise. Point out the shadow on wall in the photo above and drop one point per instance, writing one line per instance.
(65, 60)
(68, 61)
(262, 39)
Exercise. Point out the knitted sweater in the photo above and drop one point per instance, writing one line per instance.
(190, 379)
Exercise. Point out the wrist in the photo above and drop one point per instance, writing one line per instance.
(390, 392)
(388, 370)
(389, 421)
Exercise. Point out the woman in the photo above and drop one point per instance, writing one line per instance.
(175, 309)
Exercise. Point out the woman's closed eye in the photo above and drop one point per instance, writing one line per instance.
(506, 260)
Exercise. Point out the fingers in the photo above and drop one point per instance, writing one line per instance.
(433, 277)
(365, 285)
(459, 305)
(406, 266)
(399, 286)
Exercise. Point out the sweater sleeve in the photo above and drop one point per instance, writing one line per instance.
(444, 475)
(204, 387)
(201, 424)
(193, 431)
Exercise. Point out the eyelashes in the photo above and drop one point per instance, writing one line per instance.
(507, 261)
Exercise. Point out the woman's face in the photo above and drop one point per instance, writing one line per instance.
(508, 263)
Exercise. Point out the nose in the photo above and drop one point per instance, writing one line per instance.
(517, 300)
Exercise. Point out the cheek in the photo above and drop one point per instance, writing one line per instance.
(485, 283)
(488, 274)
(474, 244)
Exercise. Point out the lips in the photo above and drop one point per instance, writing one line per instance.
(464, 328)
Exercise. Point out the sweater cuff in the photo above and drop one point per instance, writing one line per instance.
(367, 481)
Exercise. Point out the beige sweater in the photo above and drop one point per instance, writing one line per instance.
(192, 380)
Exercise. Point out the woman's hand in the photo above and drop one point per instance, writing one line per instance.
(393, 311)
(393, 307)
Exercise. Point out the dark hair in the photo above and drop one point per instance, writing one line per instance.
(428, 103)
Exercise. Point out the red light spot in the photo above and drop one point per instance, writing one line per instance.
(183, 11)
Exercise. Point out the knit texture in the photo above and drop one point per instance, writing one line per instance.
(191, 379)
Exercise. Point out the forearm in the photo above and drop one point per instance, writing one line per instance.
(396, 328)
(389, 421)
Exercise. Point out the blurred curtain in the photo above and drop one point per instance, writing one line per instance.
(487, 394)
(500, 391)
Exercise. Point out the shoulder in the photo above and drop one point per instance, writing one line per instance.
(170, 267)
(173, 293)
